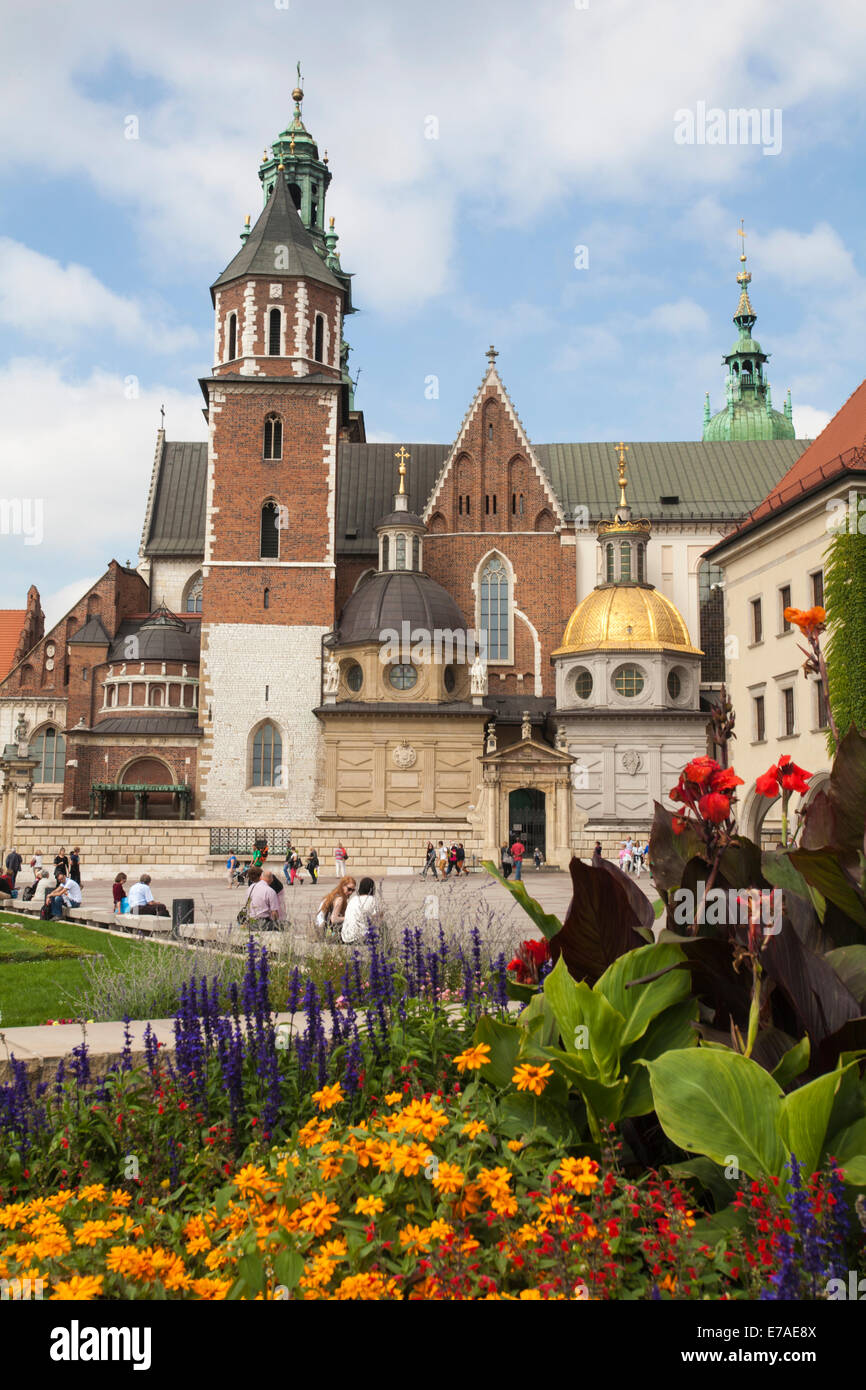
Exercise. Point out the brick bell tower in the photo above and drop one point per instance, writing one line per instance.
(278, 400)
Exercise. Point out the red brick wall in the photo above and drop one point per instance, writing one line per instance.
(320, 299)
(92, 766)
(244, 481)
(543, 569)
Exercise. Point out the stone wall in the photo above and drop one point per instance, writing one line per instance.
(252, 674)
(109, 846)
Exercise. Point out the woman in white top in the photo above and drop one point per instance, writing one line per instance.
(361, 910)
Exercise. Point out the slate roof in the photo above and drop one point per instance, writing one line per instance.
(150, 724)
(178, 511)
(712, 482)
(386, 600)
(93, 631)
(177, 641)
(279, 226)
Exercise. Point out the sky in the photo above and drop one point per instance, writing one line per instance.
(562, 179)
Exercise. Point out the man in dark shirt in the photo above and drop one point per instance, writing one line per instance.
(13, 864)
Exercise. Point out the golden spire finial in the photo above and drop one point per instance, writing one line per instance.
(281, 165)
(743, 276)
(622, 450)
(402, 454)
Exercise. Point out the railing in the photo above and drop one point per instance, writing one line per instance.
(243, 839)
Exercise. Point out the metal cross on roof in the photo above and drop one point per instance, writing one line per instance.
(402, 454)
(492, 354)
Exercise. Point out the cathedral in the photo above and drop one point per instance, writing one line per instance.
(341, 641)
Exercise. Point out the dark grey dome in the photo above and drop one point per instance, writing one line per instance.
(407, 519)
(395, 596)
(161, 637)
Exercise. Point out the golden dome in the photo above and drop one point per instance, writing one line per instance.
(620, 617)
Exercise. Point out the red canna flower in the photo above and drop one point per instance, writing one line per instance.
(700, 771)
(715, 807)
(784, 775)
(725, 780)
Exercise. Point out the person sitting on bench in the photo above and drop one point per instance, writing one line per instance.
(66, 894)
(141, 900)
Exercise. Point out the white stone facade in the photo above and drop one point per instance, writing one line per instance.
(168, 581)
(251, 674)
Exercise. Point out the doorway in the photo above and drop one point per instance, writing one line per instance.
(527, 818)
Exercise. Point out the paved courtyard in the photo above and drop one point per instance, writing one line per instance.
(454, 901)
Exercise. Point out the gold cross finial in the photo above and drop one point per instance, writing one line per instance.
(492, 354)
(622, 450)
(402, 454)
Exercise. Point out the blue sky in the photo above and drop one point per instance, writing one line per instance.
(556, 130)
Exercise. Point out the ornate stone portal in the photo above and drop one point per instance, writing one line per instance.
(528, 766)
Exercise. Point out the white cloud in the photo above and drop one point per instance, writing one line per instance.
(809, 421)
(41, 298)
(57, 604)
(85, 451)
(683, 316)
(546, 100)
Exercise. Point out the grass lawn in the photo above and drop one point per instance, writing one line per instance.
(41, 965)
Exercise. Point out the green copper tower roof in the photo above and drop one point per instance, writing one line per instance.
(748, 412)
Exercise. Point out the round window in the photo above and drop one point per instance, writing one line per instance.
(450, 678)
(628, 681)
(675, 685)
(402, 677)
(354, 676)
(583, 684)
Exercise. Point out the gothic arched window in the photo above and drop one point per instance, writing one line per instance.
(295, 192)
(192, 597)
(49, 750)
(266, 599)
(274, 325)
(273, 446)
(269, 545)
(712, 611)
(319, 344)
(233, 337)
(267, 756)
(495, 609)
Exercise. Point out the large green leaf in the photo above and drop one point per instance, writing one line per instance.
(504, 1040)
(539, 1019)
(604, 1098)
(849, 962)
(640, 1004)
(710, 1176)
(523, 1114)
(720, 1104)
(588, 1025)
(849, 1143)
(792, 1064)
(672, 1029)
(547, 924)
(823, 871)
(804, 1116)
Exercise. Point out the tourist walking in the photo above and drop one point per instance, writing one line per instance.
(442, 858)
(341, 859)
(518, 849)
(361, 913)
(61, 863)
(313, 865)
(13, 864)
(538, 857)
(429, 860)
(506, 861)
(332, 908)
(118, 893)
(452, 860)
(461, 860)
(75, 866)
(232, 869)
